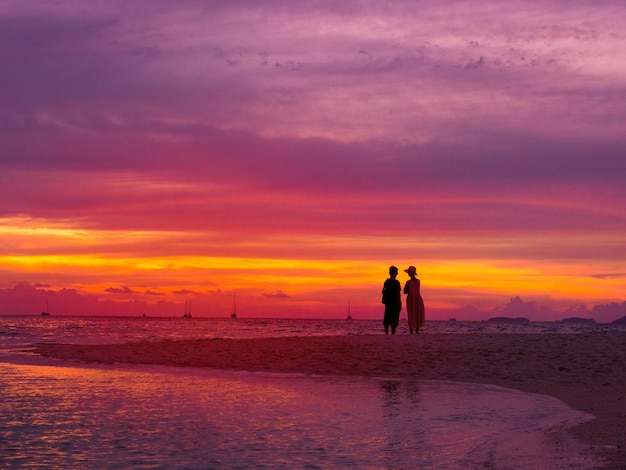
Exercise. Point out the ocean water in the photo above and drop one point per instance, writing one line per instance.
(56, 414)
(17, 331)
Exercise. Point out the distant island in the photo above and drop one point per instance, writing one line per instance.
(571, 320)
(510, 320)
(587, 321)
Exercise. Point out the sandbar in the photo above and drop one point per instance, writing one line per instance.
(586, 371)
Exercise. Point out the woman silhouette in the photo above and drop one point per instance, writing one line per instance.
(414, 301)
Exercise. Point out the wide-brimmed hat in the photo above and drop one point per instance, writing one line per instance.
(411, 269)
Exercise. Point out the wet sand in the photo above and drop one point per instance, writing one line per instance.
(586, 371)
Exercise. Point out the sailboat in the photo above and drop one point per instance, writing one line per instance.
(45, 311)
(234, 314)
(349, 316)
(187, 309)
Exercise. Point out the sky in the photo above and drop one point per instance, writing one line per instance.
(159, 152)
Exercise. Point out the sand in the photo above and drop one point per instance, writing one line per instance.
(586, 371)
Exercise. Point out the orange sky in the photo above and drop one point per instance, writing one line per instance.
(157, 267)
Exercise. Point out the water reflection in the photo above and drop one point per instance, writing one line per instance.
(146, 417)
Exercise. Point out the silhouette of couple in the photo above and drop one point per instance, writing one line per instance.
(393, 301)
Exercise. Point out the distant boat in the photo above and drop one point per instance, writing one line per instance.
(187, 309)
(45, 312)
(349, 317)
(234, 314)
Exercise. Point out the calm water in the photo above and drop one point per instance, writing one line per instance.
(68, 415)
(26, 330)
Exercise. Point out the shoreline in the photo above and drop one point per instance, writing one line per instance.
(586, 371)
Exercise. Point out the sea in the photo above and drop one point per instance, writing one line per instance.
(58, 414)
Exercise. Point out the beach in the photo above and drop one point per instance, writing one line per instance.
(586, 371)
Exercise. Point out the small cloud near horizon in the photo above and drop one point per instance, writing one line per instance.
(151, 292)
(277, 295)
(184, 292)
(120, 290)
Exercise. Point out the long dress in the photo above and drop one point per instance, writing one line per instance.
(414, 304)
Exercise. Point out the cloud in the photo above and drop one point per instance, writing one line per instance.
(44, 51)
(577, 311)
(184, 292)
(277, 295)
(476, 65)
(547, 184)
(617, 275)
(120, 290)
(609, 312)
(518, 308)
(151, 292)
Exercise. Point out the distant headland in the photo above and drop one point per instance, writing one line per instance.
(577, 320)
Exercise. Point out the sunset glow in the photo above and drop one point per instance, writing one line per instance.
(158, 153)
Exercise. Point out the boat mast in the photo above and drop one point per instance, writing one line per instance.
(234, 314)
